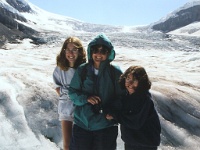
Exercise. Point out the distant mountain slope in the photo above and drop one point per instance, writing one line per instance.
(20, 19)
(44, 21)
(183, 16)
(11, 21)
(20, 5)
(191, 29)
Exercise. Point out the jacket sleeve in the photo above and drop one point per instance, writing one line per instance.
(76, 94)
(119, 91)
(135, 120)
(114, 105)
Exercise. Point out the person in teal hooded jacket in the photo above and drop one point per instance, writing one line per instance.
(93, 89)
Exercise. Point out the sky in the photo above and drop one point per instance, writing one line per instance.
(112, 12)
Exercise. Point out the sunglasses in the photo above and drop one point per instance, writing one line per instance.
(102, 51)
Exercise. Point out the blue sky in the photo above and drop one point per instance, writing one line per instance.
(112, 12)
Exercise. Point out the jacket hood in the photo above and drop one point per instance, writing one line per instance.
(101, 39)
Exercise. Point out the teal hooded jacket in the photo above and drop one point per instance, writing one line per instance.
(105, 85)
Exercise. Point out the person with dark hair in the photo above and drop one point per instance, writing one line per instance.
(72, 54)
(93, 96)
(139, 121)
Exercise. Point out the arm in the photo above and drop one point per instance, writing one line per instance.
(115, 110)
(56, 79)
(115, 104)
(76, 94)
(61, 79)
(58, 90)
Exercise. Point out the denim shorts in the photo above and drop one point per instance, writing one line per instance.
(66, 110)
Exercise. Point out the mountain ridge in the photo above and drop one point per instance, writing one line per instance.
(21, 19)
(179, 18)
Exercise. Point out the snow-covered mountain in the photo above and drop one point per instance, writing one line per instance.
(11, 27)
(180, 18)
(20, 19)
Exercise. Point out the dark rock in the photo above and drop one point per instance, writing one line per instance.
(11, 30)
(19, 5)
(182, 18)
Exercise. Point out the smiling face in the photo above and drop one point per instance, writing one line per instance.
(98, 55)
(131, 83)
(71, 54)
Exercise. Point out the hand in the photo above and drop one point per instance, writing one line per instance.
(58, 90)
(109, 117)
(94, 100)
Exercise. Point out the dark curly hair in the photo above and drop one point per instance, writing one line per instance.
(62, 62)
(139, 73)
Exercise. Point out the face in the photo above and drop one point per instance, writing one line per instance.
(71, 54)
(99, 55)
(131, 84)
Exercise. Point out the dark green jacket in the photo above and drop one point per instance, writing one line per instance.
(101, 85)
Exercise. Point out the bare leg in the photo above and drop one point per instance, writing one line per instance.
(66, 133)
